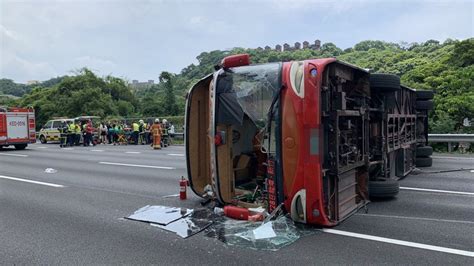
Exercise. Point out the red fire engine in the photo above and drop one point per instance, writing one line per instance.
(17, 127)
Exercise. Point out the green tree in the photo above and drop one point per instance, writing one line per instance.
(169, 100)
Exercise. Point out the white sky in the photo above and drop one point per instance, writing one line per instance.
(139, 39)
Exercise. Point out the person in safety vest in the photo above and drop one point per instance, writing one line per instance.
(135, 132)
(71, 138)
(77, 136)
(156, 133)
(63, 137)
(141, 129)
(164, 133)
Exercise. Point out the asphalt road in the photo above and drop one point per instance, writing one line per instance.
(76, 218)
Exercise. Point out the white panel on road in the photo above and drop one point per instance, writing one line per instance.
(17, 127)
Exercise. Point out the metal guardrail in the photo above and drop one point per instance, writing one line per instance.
(179, 135)
(431, 137)
(450, 138)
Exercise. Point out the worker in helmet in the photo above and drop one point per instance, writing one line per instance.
(164, 133)
(156, 133)
(141, 130)
(135, 132)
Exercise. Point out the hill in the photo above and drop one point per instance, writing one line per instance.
(446, 68)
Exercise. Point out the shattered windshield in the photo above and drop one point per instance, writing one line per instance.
(248, 90)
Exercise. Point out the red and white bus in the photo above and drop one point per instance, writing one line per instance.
(318, 137)
(17, 127)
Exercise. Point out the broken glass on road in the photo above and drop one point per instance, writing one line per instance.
(272, 235)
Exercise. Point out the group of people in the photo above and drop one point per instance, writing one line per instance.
(71, 133)
(116, 133)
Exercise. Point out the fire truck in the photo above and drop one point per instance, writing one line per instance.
(317, 138)
(17, 127)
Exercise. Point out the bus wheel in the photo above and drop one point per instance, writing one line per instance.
(424, 162)
(424, 151)
(384, 82)
(383, 188)
(424, 105)
(20, 146)
(424, 95)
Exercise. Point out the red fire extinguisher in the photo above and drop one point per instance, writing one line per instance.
(182, 188)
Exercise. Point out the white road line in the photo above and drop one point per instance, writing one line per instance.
(414, 218)
(175, 154)
(133, 152)
(438, 191)
(14, 154)
(41, 147)
(67, 149)
(452, 157)
(31, 181)
(400, 242)
(98, 150)
(139, 165)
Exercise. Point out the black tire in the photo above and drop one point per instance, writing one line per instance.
(43, 139)
(424, 151)
(385, 82)
(383, 188)
(424, 162)
(424, 95)
(20, 146)
(424, 105)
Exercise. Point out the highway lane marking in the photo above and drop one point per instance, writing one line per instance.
(31, 181)
(400, 242)
(452, 157)
(14, 154)
(415, 218)
(175, 154)
(139, 165)
(133, 152)
(438, 191)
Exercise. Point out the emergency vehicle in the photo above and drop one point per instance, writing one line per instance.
(50, 132)
(17, 127)
(316, 137)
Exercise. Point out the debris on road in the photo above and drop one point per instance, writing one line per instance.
(50, 171)
(272, 235)
(269, 235)
(188, 226)
(162, 215)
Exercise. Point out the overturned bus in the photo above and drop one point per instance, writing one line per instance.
(317, 137)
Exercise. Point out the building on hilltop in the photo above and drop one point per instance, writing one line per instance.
(142, 85)
(298, 46)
